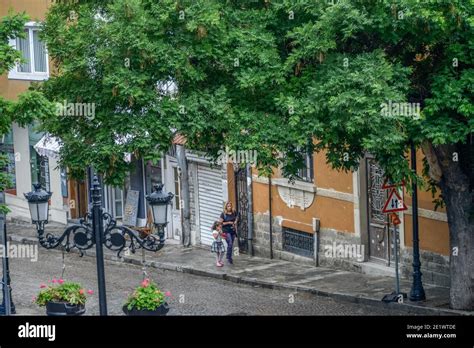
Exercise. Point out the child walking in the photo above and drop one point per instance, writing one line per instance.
(218, 244)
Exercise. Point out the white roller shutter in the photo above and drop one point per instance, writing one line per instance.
(210, 200)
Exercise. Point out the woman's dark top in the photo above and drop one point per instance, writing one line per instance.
(226, 218)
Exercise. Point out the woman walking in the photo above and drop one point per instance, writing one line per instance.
(229, 221)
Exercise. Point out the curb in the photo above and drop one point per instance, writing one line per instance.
(410, 308)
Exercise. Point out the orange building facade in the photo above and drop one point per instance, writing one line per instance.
(335, 219)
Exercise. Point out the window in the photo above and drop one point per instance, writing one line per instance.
(39, 169)
(39, 164)
(7, 148)
(177, 195)
(307, 172)
(298, 242)
(118, 202)
(64, 190)
(33, 50)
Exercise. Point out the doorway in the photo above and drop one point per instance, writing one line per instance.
(173, 185)
(378, 233)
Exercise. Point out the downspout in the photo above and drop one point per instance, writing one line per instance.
(250, 210)
(270, 214)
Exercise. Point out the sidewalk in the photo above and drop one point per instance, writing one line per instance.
(274, 274)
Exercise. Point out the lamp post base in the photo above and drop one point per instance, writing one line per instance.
(3, 311)
(417, 295)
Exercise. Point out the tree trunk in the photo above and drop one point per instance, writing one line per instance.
(186, 217)
(459, 199)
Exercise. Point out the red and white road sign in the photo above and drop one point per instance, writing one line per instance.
(394, 203)
(387, 184)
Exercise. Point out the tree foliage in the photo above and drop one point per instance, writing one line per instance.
(265, 75)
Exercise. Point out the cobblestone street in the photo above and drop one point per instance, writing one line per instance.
(191, 294)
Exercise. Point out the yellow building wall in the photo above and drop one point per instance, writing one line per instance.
(339, 215)
(36, 10)
(328, 178)
(433, 234)
(334, 213)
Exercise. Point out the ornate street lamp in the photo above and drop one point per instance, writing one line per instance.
(159, 202)
(89, 232)
(38, 201)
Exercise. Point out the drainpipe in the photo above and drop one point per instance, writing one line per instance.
(270, 213)
(316, 229)
(250, 210)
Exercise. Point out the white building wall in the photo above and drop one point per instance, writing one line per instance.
(17, 204)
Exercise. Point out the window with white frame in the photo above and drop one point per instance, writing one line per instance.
(117, 196)
(35, 56)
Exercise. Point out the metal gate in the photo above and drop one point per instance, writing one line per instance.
(379, 241)
(242, 208)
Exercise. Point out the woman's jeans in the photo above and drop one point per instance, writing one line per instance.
(230, 245)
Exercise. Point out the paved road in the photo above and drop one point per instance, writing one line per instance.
(191, 294)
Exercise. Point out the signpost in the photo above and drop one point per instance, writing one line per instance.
(393, 205)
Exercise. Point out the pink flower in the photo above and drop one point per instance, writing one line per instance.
(34, 298)
(42, 286)
(54, 281)
(168, 293)
(81, 291)
(145, 282)
(60, 281)
(90, 292)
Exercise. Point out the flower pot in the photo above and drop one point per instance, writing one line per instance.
(160, 311)
(60, 309)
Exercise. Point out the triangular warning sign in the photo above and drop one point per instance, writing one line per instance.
(394, 203)
(388, 184)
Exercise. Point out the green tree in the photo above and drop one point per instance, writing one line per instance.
(270, 75)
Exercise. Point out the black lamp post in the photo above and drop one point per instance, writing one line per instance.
(417, 292)
(89, 232)
(159, 202)
(7, 307)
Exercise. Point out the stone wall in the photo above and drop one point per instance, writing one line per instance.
(261, 234)
(261, 240)
(329, 238)
(434, 267)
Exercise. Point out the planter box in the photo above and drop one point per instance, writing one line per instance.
(160, 311)
(60, 309)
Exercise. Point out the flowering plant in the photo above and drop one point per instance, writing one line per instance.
(146, 297)
(61, 291)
